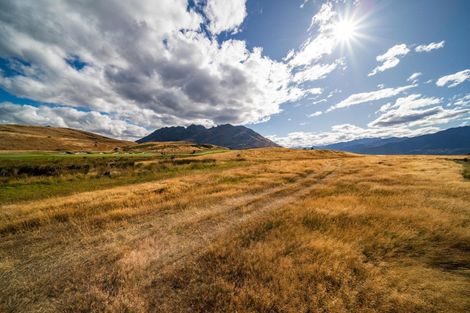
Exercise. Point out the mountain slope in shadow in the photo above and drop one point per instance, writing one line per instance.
(229, 136)
(450, 141)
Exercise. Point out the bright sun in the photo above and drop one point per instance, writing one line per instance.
(345, 30)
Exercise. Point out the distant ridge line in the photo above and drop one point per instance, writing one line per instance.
(450, 141)
(229, 136)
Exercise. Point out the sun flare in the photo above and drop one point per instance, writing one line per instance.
(345, 30)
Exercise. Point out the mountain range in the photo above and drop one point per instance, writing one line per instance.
(229, 136)
(450, 141)
(22, 137)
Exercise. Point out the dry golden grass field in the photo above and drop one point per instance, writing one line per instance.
(265, 230)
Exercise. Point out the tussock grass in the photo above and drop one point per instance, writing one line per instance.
(31, 178)
(175, 148)
(466, 168)
(341, 250)
(280, 231)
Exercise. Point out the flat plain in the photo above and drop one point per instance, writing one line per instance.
(210, 230)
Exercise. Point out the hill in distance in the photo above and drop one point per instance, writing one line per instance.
(450, 141)
(229, 136)
(37, 138)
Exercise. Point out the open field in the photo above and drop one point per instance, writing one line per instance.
(264, 230)
(34, 175)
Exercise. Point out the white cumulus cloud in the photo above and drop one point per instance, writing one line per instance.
(315, 47)
(454, 79)
(430, 47)
(318, 113)
(157, 64)
(347, 132)
(462, 101)
(414, 77)
(416, 110)
(315, 72)
(390, 59)
(154, 65)
(369, 96)
(69, 117)
(225, 15)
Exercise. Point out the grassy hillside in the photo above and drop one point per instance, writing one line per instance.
(39, 138)
(264, 230)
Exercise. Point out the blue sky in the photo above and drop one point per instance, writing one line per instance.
(300, 72)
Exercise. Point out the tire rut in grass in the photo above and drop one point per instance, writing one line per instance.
(190, 234)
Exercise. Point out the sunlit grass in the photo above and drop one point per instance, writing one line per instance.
(265, 230)
(46, 174)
